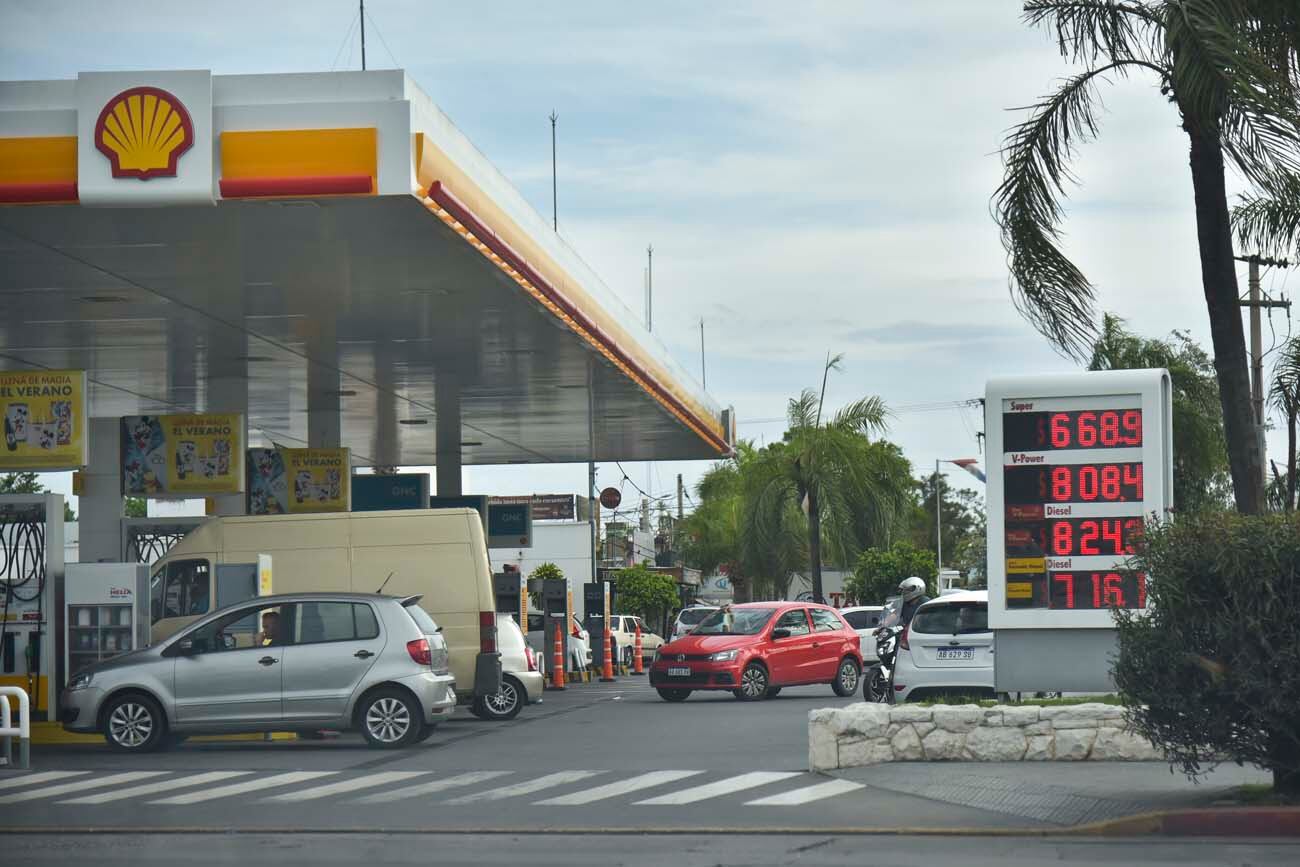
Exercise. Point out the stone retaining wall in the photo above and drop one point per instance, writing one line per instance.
(868, 734)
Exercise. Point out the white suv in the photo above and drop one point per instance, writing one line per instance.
(947, 649)
(689, 618)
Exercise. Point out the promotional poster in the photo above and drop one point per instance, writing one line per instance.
(288, 481)
(44, 420)
(169, 455)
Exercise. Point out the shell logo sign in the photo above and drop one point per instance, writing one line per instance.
(144, 131)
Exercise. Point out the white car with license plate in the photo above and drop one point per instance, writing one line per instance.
(865, 620)
(948, 649)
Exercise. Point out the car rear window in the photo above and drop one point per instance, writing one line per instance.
(952, 618)
(692, 616)
(422, 619)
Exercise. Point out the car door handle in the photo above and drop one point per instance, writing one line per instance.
(267, 660)
(363, 654)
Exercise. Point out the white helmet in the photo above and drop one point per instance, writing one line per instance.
(910, 588)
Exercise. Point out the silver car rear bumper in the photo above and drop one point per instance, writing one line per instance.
(436, 693)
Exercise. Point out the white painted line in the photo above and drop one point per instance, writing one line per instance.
(728, 786)
(433, 787)
(78, 785)
(369, 781)
(249, 786)
(807, 794)
(156, 787)
(525, 788)
(614, 790)
(42, 777)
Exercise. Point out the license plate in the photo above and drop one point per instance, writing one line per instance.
(681, 671)
(957, 653)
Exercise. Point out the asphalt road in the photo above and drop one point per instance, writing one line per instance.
(592, 760)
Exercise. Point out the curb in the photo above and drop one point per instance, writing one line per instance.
(51, 734)
(1225, 822)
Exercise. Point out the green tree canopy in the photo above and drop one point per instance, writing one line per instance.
(963, 516)
(1200, 453)
(644, 592)
(30, 483)
(879, 571)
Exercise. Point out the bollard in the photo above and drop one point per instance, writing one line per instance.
(638, 667)
(607, 671)
(559, 663)
(23, 730)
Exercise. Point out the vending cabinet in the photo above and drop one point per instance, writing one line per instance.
(106, 612)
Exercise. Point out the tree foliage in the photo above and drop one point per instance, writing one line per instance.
(962, 518)
(30, 483)
(547, 572)
(1200, 450)
(1214, 667)
(1229, 67)
(879, 571)
(644, 592)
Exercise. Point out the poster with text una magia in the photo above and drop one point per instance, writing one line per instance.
(169, 455)
(44, 420)
(287, 481)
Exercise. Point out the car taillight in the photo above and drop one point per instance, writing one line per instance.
(487, 632)
(532, 660)
(902, 638)
(420, 652)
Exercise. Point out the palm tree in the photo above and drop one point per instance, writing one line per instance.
(1229, 67)
(844, 489)
(1284, 396)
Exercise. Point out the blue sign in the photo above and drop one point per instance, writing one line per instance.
(510, 525)
(381, 493)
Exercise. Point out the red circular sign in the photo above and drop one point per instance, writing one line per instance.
(610, 498)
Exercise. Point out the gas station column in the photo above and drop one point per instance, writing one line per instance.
(229, 394)
(100, 501)
(324, 427)
(447, 408)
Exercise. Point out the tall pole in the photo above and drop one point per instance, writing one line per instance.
(363, 35)
(938, 516)
(704, 373)
(679, 496)
(594, 499)
(555, 205)
(1257, 363)
(649, 287)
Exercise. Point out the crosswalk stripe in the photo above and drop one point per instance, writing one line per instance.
(249, 786)
(156, 787)
(752, 780)
(525, 788)
(807, 794)
(369, 781)
(42, 777)
(77, 785)
(623, 787)
(432, 787)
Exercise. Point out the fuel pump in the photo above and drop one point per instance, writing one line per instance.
(555, 607)
(31, 584)
(508, 587)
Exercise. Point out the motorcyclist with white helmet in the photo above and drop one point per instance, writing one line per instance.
(912, 592)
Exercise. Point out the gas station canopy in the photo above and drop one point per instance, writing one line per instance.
(319, 246)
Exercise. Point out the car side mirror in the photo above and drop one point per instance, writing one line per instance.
(779, 633)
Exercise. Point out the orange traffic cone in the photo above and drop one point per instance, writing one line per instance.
(638, 667)
(607, 672)
(557, 667)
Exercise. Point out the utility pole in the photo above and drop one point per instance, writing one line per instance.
(679, 496)
(938, 516)
(363, 35)
(704, 373)
(1256, 303)
(555, 204)
(649, 287)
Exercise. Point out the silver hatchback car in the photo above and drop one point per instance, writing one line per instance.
(295, 662)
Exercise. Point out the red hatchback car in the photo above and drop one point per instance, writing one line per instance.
(755, 649)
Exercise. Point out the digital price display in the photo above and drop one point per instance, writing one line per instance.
(1084, 464)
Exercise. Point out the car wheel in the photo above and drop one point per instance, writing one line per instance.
(134, 724)
(505, 704)
(426, 732)
(674, 694)
(753, 683)
(846, 679)
(875, 685)
(773, 691)
(390, 718)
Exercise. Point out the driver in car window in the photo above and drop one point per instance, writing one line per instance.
(270, 629)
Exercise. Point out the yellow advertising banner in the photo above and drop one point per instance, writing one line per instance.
(1026, 565)
(44, 420)
(289, 481)
(1020, 590)
(166, 455)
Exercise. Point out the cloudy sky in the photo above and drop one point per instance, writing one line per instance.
(814, 176)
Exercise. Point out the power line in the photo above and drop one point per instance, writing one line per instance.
(382, 40)
(347, 40)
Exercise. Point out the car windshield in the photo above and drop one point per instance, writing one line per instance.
(738, 621)
(692, 616)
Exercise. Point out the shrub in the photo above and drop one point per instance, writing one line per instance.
(1214, 668)
(879, 571)
(644, 592)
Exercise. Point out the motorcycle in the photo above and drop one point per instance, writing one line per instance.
(878, 684)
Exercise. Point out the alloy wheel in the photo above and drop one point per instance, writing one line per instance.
(501, 703)
(848, 677)
(388, 720)
(753, 682)
(131, 724)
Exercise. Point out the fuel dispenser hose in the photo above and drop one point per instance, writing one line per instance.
(22, 564)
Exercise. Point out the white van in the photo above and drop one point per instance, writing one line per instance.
(438, 554)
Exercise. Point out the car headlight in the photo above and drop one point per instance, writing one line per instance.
(81, 681)
(724, 656)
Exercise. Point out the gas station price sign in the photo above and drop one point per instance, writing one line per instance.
(1086, 461)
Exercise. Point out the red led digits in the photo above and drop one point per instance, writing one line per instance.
(1097, 590)
(1094, 537)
